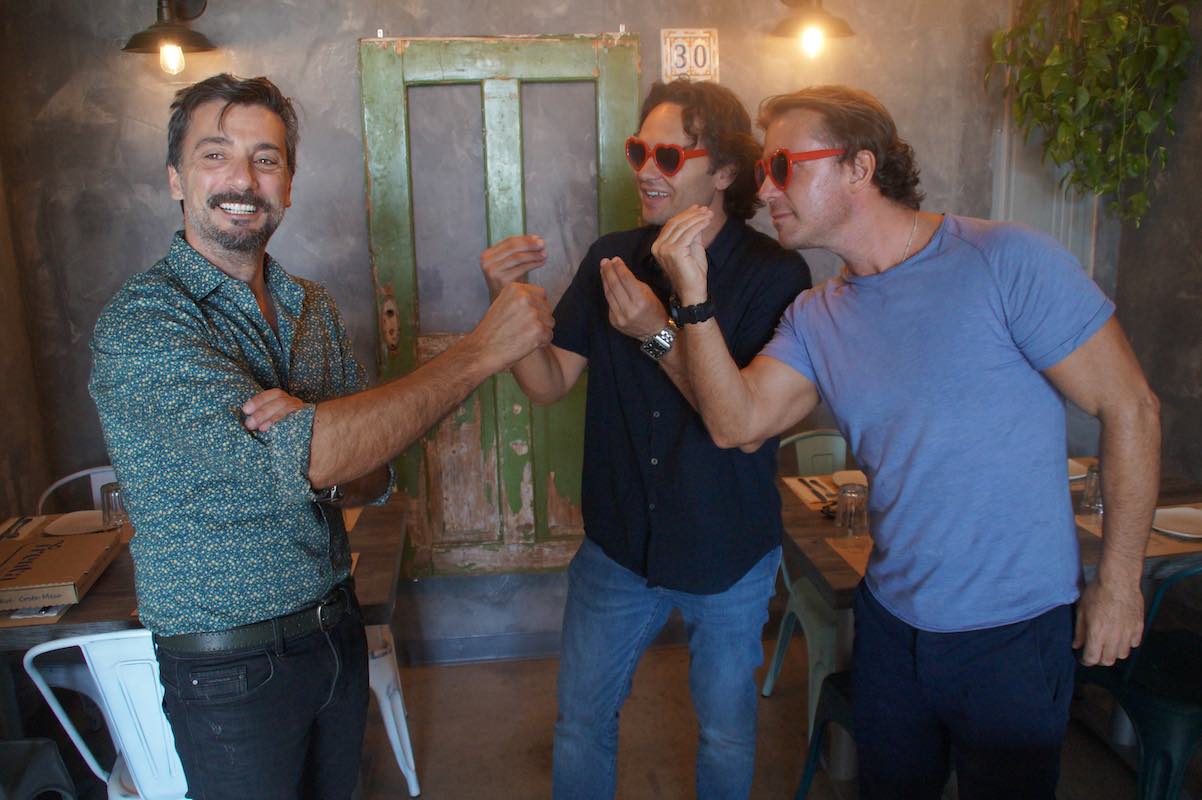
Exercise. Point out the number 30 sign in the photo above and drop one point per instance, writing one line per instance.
(691, 53)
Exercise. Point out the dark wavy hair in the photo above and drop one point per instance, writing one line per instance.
(855, 121)
(713, 116)
(233, 91)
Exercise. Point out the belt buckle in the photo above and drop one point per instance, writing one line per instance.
(327, 612)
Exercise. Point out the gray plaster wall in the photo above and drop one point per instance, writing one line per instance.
(1160, 286)
(83, 136)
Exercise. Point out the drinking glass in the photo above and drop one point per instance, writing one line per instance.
(851, 511)
(1091, 495)
(112, 506)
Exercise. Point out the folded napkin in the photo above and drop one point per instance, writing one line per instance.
(813, 501)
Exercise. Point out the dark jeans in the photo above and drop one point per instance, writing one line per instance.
(995, 701)
(271, 722)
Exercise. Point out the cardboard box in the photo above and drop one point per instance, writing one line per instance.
(48, 570)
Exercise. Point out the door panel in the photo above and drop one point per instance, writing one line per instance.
(496, 485)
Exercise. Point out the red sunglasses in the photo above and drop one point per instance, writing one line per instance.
(779, 165)
(668, 157)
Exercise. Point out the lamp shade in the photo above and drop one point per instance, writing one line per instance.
(160, 33)
(812, 14)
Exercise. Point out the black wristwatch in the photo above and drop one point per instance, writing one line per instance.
(684, 315)
(658, 345)
(331, 494)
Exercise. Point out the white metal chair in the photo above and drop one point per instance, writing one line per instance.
(123, 666)
(385, 681)
(97, 477)
(819, 452)
(122, 678)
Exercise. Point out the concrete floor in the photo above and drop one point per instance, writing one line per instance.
(484, 731)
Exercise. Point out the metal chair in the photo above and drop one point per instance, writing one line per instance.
(385, 681)
(126, 674)
(834, 705)
(819, 452)
(1160, 689)
(97, 477)
(31, 767)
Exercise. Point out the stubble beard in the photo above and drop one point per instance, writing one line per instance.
(238, 240)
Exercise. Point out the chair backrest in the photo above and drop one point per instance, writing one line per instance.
(819, 452)
(97, 477)
(127, 675)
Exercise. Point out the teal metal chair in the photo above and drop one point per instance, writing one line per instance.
(1160, 688)
(834, 705)
(818, 452)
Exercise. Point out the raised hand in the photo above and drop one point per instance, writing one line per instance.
(633, 307)
(510, 259)
(518, 322)
(267, 408)
(679, 250)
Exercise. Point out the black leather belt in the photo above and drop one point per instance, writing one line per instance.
(321, 616)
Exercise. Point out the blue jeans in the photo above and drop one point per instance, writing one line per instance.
(994, 701)
(271, 723)
(610, 618)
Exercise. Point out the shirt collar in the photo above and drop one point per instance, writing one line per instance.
(719, 250)
(201, 278)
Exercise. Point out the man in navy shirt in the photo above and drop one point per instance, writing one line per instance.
(671, 520)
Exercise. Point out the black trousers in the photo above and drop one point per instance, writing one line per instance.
(271, 722)
(994, 701)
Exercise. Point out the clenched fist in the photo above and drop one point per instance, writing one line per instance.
(518, 322)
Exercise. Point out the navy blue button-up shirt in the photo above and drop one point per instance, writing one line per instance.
(658, 495)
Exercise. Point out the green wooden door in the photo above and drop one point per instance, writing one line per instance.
(496, 486)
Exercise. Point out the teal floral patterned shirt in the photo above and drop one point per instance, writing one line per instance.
(227, 529)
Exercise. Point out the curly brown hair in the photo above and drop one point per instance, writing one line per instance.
(855, 120)
(712, 115)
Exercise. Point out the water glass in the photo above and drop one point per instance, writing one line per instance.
(1091, 495)
(851, 511)
(112, 506)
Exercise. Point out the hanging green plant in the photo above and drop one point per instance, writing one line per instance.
(1099, 79)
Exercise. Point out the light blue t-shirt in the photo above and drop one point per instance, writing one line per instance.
(932, 371)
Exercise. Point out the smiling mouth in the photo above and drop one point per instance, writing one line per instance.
(237, 208)
(653, 194)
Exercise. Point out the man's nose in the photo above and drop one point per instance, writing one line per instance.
(242, 173)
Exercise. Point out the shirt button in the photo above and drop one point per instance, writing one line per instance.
(655, 415)
(651, 506)
(654, 461)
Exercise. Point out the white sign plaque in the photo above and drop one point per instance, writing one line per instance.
(690, 53)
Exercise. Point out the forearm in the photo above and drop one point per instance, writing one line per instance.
(357, 434)
(541, 376)
(675, 366)
(1130, 485)
(719, 392)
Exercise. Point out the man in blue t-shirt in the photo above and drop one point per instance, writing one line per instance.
(945, 351)
(671, 521)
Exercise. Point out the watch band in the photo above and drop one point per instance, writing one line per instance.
(658, 345)
(686, 315)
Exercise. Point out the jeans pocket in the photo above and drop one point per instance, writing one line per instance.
(210, 682)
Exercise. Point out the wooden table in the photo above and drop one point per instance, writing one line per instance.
(823, 583)
(378, 536)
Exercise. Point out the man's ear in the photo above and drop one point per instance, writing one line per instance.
(863, 167)
(724, 177)
(177, 188)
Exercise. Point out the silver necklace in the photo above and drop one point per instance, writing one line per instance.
(910, 241)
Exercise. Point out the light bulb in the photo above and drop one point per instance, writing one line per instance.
(812, 40)
(171, 59)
